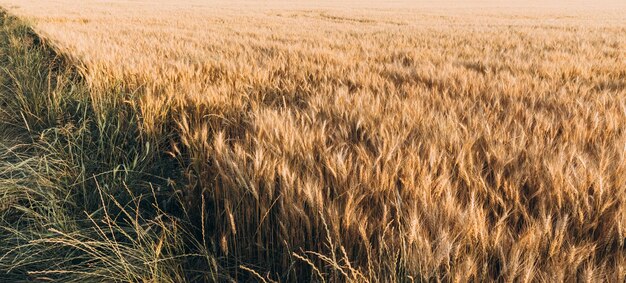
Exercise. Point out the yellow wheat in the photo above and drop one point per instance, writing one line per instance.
(380, 140)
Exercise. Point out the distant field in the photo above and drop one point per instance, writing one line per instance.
(311, 141)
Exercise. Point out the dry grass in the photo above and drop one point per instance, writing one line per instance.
(384, 143)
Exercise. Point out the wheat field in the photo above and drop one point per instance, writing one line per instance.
(369, 141)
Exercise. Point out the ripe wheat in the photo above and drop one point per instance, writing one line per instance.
(376, 141)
